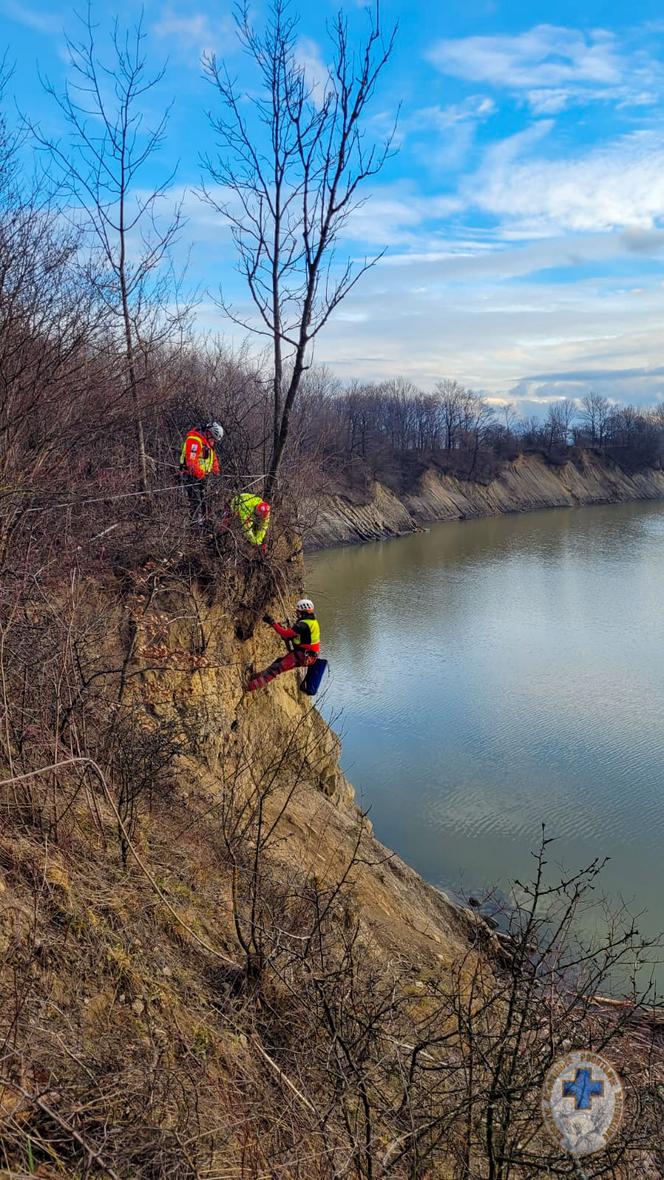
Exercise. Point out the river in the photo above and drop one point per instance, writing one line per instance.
(491, 675)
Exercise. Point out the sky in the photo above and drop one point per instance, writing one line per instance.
(523, 213)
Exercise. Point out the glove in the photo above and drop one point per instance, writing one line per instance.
(268, 619)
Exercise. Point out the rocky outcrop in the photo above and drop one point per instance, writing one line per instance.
(527, 483)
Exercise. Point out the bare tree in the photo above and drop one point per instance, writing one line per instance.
(556, 431)
(559, 422)
(292, 161)
(101, 166)
(569, 411)
(428, 420)
(478, 417)
(399, 411)
(595, 415)
(360, 416)
(51, 324)
(509, 416)
(451, 397)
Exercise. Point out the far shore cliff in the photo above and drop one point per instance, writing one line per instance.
(525, 484)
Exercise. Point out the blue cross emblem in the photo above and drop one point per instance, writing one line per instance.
(583, 1089)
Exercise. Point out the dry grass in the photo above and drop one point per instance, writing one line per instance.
(208, 966)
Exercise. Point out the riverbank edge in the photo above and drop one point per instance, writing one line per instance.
(524, 485)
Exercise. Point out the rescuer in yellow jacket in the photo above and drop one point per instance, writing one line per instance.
(303, 638)
(198, 460)
(254, 514)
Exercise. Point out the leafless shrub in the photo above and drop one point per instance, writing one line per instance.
(137, 753)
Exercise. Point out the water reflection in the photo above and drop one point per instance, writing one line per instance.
(496, 673)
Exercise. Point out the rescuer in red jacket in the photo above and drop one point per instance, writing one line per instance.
(198, 460)
(305, 638)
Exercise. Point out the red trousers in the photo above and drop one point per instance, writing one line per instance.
(300, 658)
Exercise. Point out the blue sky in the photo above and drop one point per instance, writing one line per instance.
(523, 213)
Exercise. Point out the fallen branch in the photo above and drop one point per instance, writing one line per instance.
(282, 1075)
(94, 1155)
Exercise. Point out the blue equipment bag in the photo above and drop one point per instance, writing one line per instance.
(313, 678)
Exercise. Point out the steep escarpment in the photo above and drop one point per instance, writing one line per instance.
(527, 483)
(208, 965)
(206, 959)
(231, 735)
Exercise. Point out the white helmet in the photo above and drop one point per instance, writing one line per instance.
(216, 430)
(305, 605)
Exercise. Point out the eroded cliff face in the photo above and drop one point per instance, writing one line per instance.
(526, 484)
(148, 985)
(193, 673)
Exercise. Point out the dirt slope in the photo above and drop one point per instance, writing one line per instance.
(132, 1044)
(527, 483)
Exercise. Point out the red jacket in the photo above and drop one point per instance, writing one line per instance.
(302, 634)
(197, 456)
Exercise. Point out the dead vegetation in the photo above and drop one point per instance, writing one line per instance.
(200, 977)
(208, 966)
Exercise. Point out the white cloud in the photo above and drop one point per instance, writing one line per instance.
(456, 310)
(553, 67)
(194, 32)
(548, 102)
(468, 261)
(442, 136)
(189, 28)
(480, 308)
(615, 185)
(316, 73)
(439, 118)
(542, 57)
(396, 215)
(489, 336)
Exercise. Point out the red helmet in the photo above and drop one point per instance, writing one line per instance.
(262, 510)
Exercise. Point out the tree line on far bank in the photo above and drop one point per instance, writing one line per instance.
(101, 370)
(379, 428)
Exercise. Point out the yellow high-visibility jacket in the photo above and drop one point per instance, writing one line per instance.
(198, 456)
(244, 505)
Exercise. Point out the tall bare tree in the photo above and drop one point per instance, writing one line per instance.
(451, 395)
(509, 416)
(477, 417)
(292, 159)
(595, 410)
(101, 164)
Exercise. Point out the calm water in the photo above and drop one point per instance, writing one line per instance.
(492, 674)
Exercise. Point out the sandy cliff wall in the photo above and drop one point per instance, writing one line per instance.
(169, 989)
(527, 483)
(225, 728)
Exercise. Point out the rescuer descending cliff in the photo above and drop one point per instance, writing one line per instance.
(303, 639)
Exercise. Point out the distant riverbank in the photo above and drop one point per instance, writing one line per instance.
(527, 483)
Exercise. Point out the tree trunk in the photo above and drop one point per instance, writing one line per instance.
(284, 425)
(133, 388)
(129, 356)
